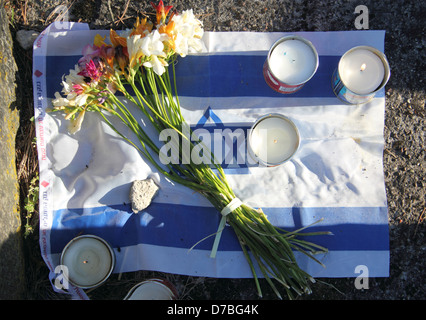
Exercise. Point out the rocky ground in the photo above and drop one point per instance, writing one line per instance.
(404, 154)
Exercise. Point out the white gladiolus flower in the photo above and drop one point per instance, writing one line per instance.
(66, 86)
(153, 48)
(195, 45)
(134, 44)
(74, 76)
(181, 45)
(72, 98)
(152, 44)
(157, 64)
(187, 17)
(59, 101)
(70, 79)
(189, 31)
(81, 99)
(75, 124)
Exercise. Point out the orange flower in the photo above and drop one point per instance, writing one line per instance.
(116, 40)
(108, 52)
(99, 41)
(162, 11)
(122, 57)
(141, 27)
(169, 30)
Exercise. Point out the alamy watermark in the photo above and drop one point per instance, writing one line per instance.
(62, 20)
(361, 21)
(214, 146)
(361, 282)
(61, 279)
(203, 146)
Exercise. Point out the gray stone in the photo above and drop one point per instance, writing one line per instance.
(26, 38)
(11, 251)
(142, 193)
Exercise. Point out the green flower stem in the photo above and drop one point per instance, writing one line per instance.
(270, 247)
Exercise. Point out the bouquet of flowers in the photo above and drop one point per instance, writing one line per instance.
(139, 64)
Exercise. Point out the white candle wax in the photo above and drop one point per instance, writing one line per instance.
(274, 140)
(88, 260)
(292, 62)
(361, 71)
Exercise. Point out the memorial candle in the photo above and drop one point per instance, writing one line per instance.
(273, 139)
(89, 260)
(361, 72)
(291, 62)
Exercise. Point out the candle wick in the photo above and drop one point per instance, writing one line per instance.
(363, 66)
(85, 261)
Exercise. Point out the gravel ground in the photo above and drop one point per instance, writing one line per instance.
(404, 155)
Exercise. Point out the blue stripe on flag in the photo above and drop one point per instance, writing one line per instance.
(182, 226)
(216, 76)
(242, 75)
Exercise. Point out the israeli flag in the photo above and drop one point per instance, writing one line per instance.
(336, 174)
